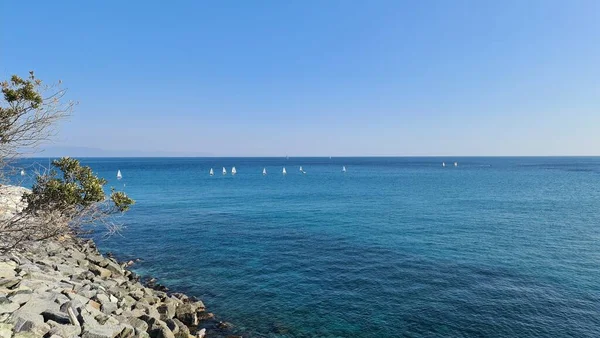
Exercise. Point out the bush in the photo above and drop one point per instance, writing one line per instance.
(69, 195)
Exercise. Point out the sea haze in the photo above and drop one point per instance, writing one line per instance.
(495, 247)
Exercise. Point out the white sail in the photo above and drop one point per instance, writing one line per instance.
(343, 169)
(264, 171)
(233, 171)
(211, 172)
(224, 171)
(22, 172)
(119, 176)
(456, 164)
(443, 164)
(284, 172)
(301, 168)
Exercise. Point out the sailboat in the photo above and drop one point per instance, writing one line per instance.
(22, 172)
(284, 172)
(119, 176)
(302, 170)
(224, 171)
(233, 171)
(211, 172)
(343, 169)
(443, 164)
(264, 171)
(456, 164)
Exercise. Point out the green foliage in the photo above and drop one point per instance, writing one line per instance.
(77, 189)
(21, 95)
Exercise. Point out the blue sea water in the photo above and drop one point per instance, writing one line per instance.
(395, 247)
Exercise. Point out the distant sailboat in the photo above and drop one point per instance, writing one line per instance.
(233, 171)
(302, 170)
(119, 176)
(224, 171)
(284, 172)
(211, 172)
(264, 171)
(456, 164)
(343, 169)
(22, 172)
(443, 164)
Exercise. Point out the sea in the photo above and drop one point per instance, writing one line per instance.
(393, 247)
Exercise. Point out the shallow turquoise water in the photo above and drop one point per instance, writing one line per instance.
(497, 247)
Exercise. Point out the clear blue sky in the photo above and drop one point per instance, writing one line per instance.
(235, 78)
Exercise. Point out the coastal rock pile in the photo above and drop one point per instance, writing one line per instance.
(11, 200)
(67, 289)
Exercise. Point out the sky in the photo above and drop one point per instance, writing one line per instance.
(316, 78)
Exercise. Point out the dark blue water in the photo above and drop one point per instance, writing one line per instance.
(496, 247)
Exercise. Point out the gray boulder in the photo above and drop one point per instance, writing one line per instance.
(56, 316)
(9, 282)
(65, 331)
(6, 330)
(166, 311)
(160, 330)
(8, 308)
(186, 313)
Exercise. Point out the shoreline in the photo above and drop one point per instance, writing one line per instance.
(65, 288)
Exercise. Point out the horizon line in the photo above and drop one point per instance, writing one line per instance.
(326, 157)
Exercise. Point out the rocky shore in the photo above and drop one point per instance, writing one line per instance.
(66, 288)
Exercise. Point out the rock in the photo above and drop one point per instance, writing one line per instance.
(56, 316)
(102, 298)
(75, 305)
(172, 325)
(150, 300)
(160, 330)
(183, 331)
(65, 331)
(108, 308)
(25, 335)
(73, 317)
(97, 259)
(6, 330)
(224, 325)
(127, 332)
(114, 268)
(94, 305)
(201, 333)
(186, 313)
(20, 298)
(138, 324)
(99, 271)
(7, 269)
(9, 283)
(21, 289)
(127, 302)
(8, 308)
(137, 294)
(180, 296)
(77, 299)
(204, 315)
(166, 311)
(31, 324)
(101, 331)
(199, 305)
